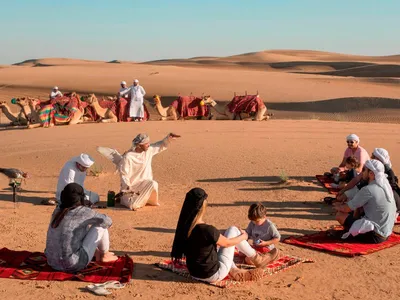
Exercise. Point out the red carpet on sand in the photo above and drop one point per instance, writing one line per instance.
(323, 242)
(326, 182)
(33, 266)
(283, 263)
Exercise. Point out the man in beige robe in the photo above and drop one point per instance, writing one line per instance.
(137, 184)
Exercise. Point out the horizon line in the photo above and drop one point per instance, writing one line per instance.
(198, 56)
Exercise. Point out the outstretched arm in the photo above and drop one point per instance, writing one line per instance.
(123, 93)
(162, 145)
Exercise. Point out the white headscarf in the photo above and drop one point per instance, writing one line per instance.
(137, 81)
(353, 137)
(141, 138)
(123, 82)
(55, 88)
(380, 177)
(383, 156)
(84, 160)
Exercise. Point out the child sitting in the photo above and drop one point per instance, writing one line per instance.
(261, 231)
(351, 172)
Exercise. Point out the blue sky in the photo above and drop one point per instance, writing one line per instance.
(154, 29)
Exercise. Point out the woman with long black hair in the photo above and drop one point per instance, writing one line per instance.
(198, 242)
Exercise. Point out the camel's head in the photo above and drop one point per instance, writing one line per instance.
(3, 103)
(91, 98)
(208, 100)
(157, 99)
(20, 101)
(33, 101)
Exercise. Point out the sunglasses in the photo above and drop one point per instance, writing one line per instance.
(351, 142)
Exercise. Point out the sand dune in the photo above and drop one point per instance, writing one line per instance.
(295, 61)
(56, 62)
(320, 85)
(368, 71)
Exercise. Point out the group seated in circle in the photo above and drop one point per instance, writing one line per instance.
(368, 202)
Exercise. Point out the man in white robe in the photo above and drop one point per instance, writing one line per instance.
(55, 93)
(137, 184)
(74, 170)
(123, 89)
(136, 108)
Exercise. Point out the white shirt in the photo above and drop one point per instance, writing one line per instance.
(69, 173)
(123, 92)
(55, 94)
(137, 92)
(136, 167)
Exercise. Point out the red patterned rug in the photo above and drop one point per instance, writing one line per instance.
(326, 182)
(283, 263)
(33, 266)
(334, 245)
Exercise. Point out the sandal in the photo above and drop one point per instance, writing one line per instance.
(101, 288)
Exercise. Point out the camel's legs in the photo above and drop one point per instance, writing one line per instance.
(76, 118)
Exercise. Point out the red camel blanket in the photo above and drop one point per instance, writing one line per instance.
(324, 242)
(283, 263)
(190, 106)
(326, 182)
(33, 266)
(123, 110)
(245, 104)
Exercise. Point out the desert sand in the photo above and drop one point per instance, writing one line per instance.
(236, 162)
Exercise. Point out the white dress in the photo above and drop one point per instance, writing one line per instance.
(136, 108)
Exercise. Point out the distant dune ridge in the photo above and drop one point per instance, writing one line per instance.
(295, 84)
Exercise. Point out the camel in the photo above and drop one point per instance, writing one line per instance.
(106, 114)
(260, 115)
(170, 113)
(30, 112)
(31, 106)
(15, 118)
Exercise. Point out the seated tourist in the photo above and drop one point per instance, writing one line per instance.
(349, 173)
(198, 242)
(353, 149)
(261, 231)
(378, 205)
(352, 188)
(77, 233)
(383, 156)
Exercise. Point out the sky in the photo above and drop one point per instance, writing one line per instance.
(156, 29)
